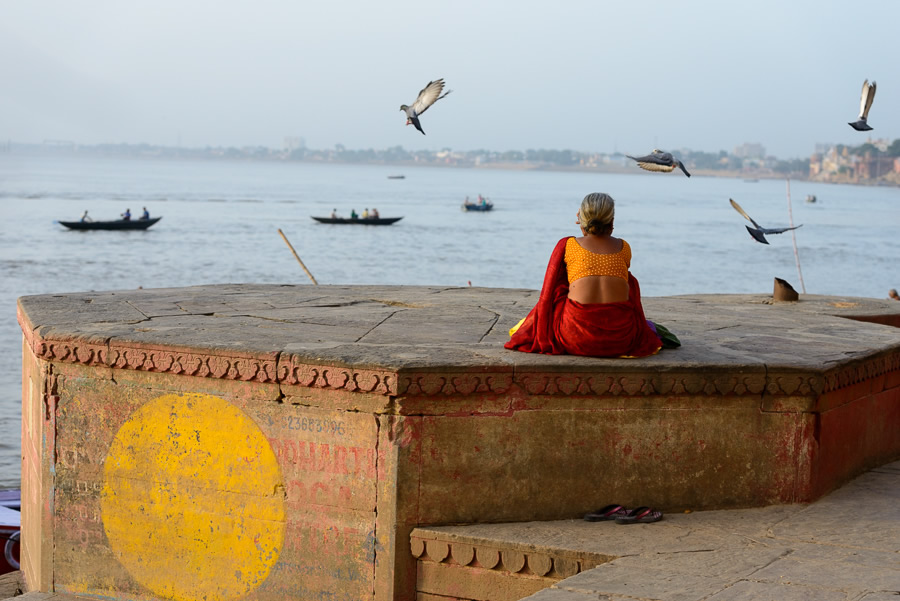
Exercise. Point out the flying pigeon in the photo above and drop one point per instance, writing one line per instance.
(758, 232)
(865, 103)
(659, 161)
(430, 94)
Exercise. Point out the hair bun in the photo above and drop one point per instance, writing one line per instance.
(596, 213)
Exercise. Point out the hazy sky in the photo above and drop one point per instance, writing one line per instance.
(588, 75)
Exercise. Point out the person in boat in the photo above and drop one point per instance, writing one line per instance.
(146, 214)
(126, 216)
(365, 213)
(334, 214)
(353, 214)
(85, 218)
(374, 213)
(892, 293)
(590, 303)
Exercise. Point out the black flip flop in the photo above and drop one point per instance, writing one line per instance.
(640, 515)
(610, 512)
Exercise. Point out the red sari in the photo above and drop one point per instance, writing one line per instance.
(560, 326)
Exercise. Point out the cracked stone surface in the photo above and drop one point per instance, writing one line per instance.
(422, 327)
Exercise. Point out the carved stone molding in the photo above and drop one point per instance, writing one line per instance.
(290, 369)
(226, 367)
(514, 561)
(432, 384)
(854, 374)
(257, 369)
(649, 384)
(792, 385)
(79, 352)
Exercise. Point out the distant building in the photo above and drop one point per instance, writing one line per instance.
(831, 165)
(881, 144)
(815, 164)
(66, 144)
(749, 151)
(292, 143)
(839, 164)
(870, 167)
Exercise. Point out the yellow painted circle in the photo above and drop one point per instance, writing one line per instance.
(192, 499)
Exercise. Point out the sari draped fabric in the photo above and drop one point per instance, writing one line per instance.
(558, 325)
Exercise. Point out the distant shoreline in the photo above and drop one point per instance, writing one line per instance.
(522, 166)
(796, 177)
(627, 171)
(498, 165)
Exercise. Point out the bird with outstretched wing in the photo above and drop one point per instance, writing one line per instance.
(757, 231)
(659, 161)
(430, 94)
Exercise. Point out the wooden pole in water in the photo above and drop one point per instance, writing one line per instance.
(296, 256)
(793, 236)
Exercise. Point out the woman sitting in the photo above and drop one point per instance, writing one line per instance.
(590, 304)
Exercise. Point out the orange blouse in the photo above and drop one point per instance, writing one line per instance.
(581, 262)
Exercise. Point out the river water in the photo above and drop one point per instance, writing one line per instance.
(220, 222)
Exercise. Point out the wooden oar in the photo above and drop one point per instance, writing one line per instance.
(296, 256)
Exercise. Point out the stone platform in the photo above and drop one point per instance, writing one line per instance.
(276, 442)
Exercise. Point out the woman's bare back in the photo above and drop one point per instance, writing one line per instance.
(594, 289)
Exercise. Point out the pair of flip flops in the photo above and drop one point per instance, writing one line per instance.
(622, 515)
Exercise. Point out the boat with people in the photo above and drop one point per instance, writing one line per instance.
(117, 224)
(482, 204)
(10, 524)
(811, 198)
(357, 220)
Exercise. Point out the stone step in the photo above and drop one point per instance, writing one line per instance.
(505, 562)
(827, 550)
(510, 561)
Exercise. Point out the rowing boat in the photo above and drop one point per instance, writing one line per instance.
(118, 224)
(358, 220)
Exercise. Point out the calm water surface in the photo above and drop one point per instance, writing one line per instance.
(220, 222)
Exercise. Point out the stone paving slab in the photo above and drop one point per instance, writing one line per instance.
(557, 594)
(420, 327)
(839, 519)
(842, 547)
(647, 582)
(746, 590)
(830, 573)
